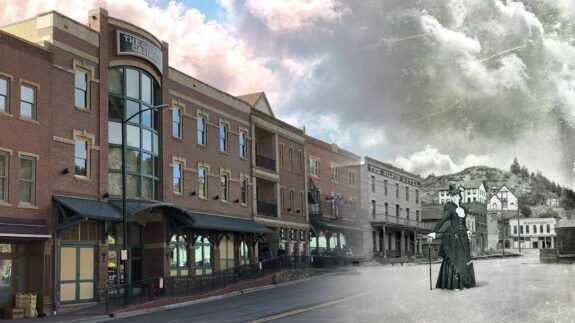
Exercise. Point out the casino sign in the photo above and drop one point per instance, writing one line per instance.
(132, 45)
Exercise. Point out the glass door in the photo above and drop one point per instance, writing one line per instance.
(7, 264)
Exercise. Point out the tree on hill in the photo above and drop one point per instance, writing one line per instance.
(524, 172)
(525, 210)
(515, 167)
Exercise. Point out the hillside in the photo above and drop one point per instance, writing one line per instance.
(530, 188)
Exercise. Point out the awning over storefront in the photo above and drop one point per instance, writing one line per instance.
(318, 224)
(72, 210)
(23, 228)
(226, 223)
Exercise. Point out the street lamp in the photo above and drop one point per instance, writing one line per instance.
(124, 252)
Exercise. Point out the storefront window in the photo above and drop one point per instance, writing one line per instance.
(244, 254)
(202, 256)
(131, 91)
(178, 255)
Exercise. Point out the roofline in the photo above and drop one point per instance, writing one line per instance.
(320, 142)
(299, 131)
(395, 168)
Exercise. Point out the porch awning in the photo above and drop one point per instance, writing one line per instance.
(337, 225)
(89, 208)
(23, 228)
(226, 223)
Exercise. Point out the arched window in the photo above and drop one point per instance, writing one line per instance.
(130, 91)
(202, 250)
(244, 254)
(178, 255)
(227, 252)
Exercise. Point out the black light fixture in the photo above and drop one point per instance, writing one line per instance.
(289, 209)
(106, 195)
(217, 197)
(193, 193)
(298, 211)
(237, 201)
(65, 171)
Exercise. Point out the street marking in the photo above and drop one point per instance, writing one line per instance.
(307, 309)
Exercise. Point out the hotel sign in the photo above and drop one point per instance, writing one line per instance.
(392, 175)
(136, 46)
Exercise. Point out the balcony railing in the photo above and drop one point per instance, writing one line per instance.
(343, 210)
(268, 209)
(265, 162)
(390, 219)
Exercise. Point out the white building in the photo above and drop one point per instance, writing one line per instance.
(471, 191)
(503, 199)
(536, 233)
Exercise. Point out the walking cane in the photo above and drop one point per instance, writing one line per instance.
(429, 258)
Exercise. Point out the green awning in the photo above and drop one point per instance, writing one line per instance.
(337, 225)
(226, 223)
(89, 208)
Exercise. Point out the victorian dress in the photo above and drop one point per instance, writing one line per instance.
(456, 270)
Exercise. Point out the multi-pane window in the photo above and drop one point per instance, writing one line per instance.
(27, 180)
(223, 137)
(282, 198)
(407, 213)
(373, 208)
(385, 187)
(81, 89)
(177, 122)
(3, 177)
(397, 210)
(132, 93)
(3, 94)
(290, 156)
(227, 252)
(314, 167)
(396, 190)
(416, 196)
(27, 101)
(81, 157)
(541, 228)
(202, 256)
(302, 202)
(225, 189)
(244, 191)
(548, 228)
(300, 160)
(178, 255)
(351, 179)
(373, 184)
(334, 173)
(202, 183)
(178, 178)
(526, 229)
(244, 254)
(386, 209)
(520, 229)
(291, 200)
(534, 229)
(201, 129)
(243, 151)
(417, 215)
(407, 193)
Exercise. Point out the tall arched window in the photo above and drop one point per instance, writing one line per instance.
(178, 255)
(130, 91)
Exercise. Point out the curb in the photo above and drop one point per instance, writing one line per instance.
(123, 315)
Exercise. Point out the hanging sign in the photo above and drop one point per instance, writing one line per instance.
(132, 45)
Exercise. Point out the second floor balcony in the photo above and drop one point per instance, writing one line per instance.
(399, 221)
(265, 162)
(267, 209)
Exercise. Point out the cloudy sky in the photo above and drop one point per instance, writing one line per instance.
(430, 85)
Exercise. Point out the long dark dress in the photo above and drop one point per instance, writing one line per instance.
(456, 270)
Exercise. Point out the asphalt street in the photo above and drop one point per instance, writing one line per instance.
(509, 290)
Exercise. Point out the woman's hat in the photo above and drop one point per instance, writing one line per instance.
(453, 190)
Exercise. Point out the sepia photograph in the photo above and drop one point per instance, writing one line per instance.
(287, 161)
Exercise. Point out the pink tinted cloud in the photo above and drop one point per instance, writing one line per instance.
(290, 15)
(207, 50)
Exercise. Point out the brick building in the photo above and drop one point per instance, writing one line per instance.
(200, 196)
(334, 199)
(278, 175)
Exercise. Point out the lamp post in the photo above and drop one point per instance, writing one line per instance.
(124, 252)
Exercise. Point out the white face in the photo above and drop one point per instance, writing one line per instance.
(455, 199)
